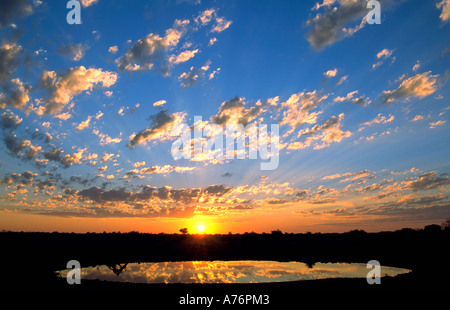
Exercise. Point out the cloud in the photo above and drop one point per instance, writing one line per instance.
(379, 119)
(298, 107)
(445, 6)
(87, 3)
(331, 73)
(10, 9)
(383, 55)
(54, 154)
(417, 118)
(322, 135)
(161, 128)
(159, 103)
(25, 178)
(151, 51)
(220, 23)
(73, 51)
(191, 78)
(329, 27)
(62, 88)
(182, 57)
(234, 111)
(41, 136)
(212, 74)
(105, 139)
(139, 164)
(9, 120)
(325, 3)
(15, 94)
(157, 170)
(348, 97)
(420, 86)
(212, 41)
(437, 123)
(15, 145)
(9, 59)
(75, 158)
(32, 152)
(84, 124)
(113, 49)
(205, 17)
(427, 181)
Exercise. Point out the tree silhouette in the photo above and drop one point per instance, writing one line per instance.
(184, 231)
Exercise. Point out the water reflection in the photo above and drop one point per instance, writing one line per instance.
(227, 272)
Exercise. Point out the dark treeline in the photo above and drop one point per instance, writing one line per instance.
(35, 256)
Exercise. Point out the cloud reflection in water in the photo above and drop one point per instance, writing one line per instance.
(227, 272)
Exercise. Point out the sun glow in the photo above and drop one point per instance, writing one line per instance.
(201, 228)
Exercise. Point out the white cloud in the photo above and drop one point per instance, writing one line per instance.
(182, 57)
(84, 124)
(159, 103)
(420, 86)
(445, 6)
(62, 88)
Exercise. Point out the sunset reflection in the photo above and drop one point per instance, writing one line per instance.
(228, 272)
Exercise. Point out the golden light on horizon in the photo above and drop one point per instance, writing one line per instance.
(201, 228)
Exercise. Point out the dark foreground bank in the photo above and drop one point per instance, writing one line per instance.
(29, 260)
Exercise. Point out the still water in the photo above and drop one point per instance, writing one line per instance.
(227, 272)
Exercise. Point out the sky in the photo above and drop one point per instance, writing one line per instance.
(90, 113)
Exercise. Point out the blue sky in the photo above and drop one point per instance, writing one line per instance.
(88, 111)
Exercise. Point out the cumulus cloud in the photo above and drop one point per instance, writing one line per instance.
(105, 139)
(349, 96)
(25, 178)
(159, 103)
(15, 145)
(33, 151)
(72, 51)
(382, 56)
(87, 3)
(62, 88)
(15, 94)
(191, 78)
(151, 51)
(331, 73)
(420, 86)
(437, 123)
(427, 181)
(10, 9)
(162, 125)
(113, 49)
(379, 119)
(70, 159)
(221, 24)
(157, 170)
(9, 120)
(9, 59)
(331, 26)
(210, 15)
(297, 109)
(234, 111)
(183, 56)
(445, 6)
(323, 135)
(84, 124)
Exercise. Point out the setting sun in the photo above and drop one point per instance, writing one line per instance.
(201, 228)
